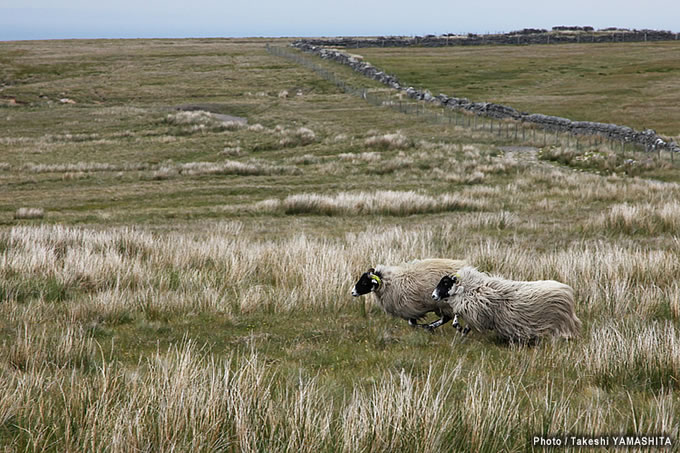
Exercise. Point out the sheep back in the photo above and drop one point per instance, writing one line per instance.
(516, 310)
(406, 291)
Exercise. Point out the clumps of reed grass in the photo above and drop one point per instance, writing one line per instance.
(405, 413)
(500, 220)
(84, 167)
(232, 151)
(306, 159)
(603, 160)
(394, 203)
(71, 138)
(475, 167)
(4, 166)
(396, 140)
(257, 127)
(29, 213)
(201, 121)
(302, 136)
(608, 280)
(227, 167)
(36, 348)
(355, 158)
(644, 218)
(622, 354)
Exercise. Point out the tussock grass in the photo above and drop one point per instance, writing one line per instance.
(56, 263)
(37, 348)
(623, 354)
(605, 160)
(371, 156)
(201, 121)
(187, 398)
(301, 136)
(29, 213)
(396, 140)
(83, 167)
(392, 203)
(232, 167)
(644, 218)
(227, 167)
(232, 151)
(156, 324)
(402, 413)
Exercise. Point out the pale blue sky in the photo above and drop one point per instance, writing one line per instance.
(51, 19)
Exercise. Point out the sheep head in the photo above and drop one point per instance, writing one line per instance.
(447, 287)
(368, 282)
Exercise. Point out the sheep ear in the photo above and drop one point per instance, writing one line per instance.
(371, 271)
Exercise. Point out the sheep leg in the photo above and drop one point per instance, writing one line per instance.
(431, 326)
(463, 330)
(456, 324)
(414, 323)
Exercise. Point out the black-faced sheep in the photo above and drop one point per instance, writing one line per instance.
(404, 291)
(518, 311)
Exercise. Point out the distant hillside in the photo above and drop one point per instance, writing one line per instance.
(558, 35)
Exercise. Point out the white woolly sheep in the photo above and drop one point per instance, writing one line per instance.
(404, 291)
(518, 311)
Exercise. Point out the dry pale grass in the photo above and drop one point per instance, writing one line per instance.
(227, 167)
(620, 353)
(200, 120)
(83, 167)
(643, 218)
(306, 159)
(355, 158)
(57, 385)
(301, 136)
(29, 213)
(396, 140)
(395, 203)
(401, 413)
(184, 399)
(232, 151)
(117, 266)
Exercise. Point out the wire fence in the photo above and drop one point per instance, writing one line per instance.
(505, 130)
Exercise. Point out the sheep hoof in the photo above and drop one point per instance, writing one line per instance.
(466, 330)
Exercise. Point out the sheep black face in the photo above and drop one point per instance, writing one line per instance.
(367, 283)
(447, 287)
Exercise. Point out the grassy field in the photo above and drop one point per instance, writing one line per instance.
(173, 280)
(631, 84)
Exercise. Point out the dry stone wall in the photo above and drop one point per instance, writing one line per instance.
(647, 138)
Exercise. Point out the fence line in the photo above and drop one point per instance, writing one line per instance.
(511, 130)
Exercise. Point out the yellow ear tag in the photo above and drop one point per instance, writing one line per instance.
(376, 279)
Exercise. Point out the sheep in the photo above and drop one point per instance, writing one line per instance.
(518, 311)
(404, 291)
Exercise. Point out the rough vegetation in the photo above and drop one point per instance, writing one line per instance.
(188, 289)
